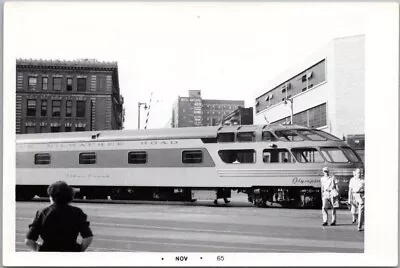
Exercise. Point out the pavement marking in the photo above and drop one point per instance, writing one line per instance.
(182, 229)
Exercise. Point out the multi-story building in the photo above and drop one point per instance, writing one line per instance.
(194, 111)
(65, 96)
(324, 91)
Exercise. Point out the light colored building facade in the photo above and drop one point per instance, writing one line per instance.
(194, 111)
(326, 90)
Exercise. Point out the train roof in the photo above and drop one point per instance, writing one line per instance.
(146, 134)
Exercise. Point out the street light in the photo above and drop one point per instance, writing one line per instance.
(145, 107)
(291, 109)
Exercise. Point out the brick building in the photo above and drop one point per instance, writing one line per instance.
(195, 111)
(65, 96)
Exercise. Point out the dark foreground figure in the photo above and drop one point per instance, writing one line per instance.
(59, 224)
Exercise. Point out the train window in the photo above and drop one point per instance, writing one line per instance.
(137, 157)
(312, 135)
(237, 156)
(246, 136)
(268, 136)
(87, 158)
(288, 135)
(334, 154)
(226, 137)
(350, 154)
(277, 156)
(192, 157)
(42, 159)
(326, 135)
(209, 140)
(307, 155)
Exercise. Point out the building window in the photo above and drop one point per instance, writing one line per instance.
(42, 159)
(81, 84)
(80, 109)
(43, 108)
(43, 129)
(56, 108)
(77, 129)
(32, 82)
(69, 84)
(68, 112)
(192, 157)
(87, 158)
(57, 83)
(317, 116)
(31, 129)
(55, 129)
(314, 117)
(31, 109)
(67, 129)
(137, 157)
(45, 83)
(307, 87)
(306, 76)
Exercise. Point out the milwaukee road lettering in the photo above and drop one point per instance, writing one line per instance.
(302, 181)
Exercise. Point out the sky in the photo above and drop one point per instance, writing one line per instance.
(226, 50)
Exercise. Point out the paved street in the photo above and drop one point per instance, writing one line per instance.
(203, 227)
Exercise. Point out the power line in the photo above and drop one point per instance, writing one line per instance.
(148, 111)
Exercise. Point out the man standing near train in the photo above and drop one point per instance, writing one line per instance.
(330, 196)
(356, 198)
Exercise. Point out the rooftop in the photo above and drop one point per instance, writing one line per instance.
(68, 63)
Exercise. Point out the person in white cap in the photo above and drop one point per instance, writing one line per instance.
(356, 198)
(330, 196)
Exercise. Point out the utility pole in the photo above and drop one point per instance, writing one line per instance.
(291, 103)
(291, 109)
(145, 107)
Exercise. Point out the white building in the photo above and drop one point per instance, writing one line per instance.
(327, 90)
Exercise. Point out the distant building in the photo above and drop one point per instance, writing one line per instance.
(66, 96)
(327, 90)
(241, 116)
(195, 111)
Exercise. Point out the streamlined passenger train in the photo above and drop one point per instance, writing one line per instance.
(272, 164)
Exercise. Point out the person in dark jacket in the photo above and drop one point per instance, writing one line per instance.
(59, 224)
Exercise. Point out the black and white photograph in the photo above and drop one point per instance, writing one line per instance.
(200, 133)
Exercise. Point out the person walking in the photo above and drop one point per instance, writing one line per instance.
(356, 198)
(221, 192)
(330, 196)
(351, 201)
(59, 224)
